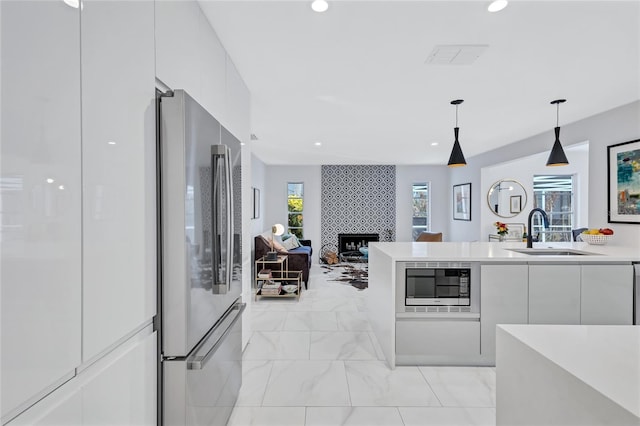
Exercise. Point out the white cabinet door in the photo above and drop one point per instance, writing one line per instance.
(118, 389)
(118, 150)
(503, 300)
(435, 337)
(554, 294)
(40, 175)
(607, 294)
(178, 60)
(124, 391)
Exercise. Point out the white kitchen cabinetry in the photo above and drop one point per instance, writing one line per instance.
(41, 221)
(433, 337)
(606, 294)
(118, 158)
(554, 294)
(119, 389)
(503, 300)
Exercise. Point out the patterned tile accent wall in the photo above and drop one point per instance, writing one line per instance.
(358, 199)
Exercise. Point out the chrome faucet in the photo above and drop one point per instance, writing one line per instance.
(545, 219)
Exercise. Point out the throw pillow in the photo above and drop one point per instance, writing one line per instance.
(296, 241)
(291, 243)
(279, 247)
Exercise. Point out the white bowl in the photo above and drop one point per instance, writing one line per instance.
(595, 239)
(290, 288)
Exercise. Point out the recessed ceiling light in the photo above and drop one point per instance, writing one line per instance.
(242, 143)
(318, 144)
(61, 187)
(111, 143)
(319, 5)
(49, 180)
(497, 5)
(434, 143)
(74, 3)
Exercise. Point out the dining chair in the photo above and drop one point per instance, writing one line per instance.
(429, 237)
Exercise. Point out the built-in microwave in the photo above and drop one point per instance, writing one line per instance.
(433, 284)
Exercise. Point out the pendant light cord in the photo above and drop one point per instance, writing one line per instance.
(456, 115)
(557, 115)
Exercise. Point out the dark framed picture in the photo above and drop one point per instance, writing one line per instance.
(462, 201)
(515, 204)
(256, 203)
(623, 167)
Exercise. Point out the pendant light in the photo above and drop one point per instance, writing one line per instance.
(457, 157)
(557, 157)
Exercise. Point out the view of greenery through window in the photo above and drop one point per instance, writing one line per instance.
(421, 201)
(554, 195)
(295, 208)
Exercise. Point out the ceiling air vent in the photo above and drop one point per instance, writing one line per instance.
(253, 137)
(455, 54)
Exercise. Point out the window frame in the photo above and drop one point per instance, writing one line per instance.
(296, 230)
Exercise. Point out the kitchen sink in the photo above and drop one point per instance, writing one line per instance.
(551, 252)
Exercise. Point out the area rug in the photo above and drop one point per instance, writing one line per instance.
(355, 274)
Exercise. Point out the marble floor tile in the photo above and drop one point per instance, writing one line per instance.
(462, 386)
(255, 375)
(353, 321)
(268, 345)
(373, 383)
(311, 321)
(353, 416)
(307, 383)
(376, 346)
(334, 304)
(448, 416)
(345, 345)
(267, 416)
(262, 320)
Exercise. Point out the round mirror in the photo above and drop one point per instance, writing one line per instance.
(507, 198)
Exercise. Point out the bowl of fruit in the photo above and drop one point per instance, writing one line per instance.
(597, 236)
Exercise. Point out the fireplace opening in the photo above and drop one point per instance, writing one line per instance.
(351, 243)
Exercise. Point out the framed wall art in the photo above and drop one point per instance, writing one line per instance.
(515, 205)
(462, 201)
(623, 166)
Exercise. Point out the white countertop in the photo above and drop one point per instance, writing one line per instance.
(605, 357)
(497, 252)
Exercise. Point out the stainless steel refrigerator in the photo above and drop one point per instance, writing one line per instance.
(200, 310)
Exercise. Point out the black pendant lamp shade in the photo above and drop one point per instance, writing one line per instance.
(456, 159)
(557, 156)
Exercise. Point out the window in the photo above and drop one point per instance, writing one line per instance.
(554, 195)
(295, 208)
(421, 204)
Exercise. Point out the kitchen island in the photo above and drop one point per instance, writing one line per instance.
(593, 285)
(568, 375)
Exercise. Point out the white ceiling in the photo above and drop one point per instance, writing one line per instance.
(355, 77)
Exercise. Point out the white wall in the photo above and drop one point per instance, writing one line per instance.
(437, 176)
(523, 170)
(275, 199)
(618, 125)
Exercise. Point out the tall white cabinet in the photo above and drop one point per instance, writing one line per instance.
(78, 213)
(41, 198)
(118, 171)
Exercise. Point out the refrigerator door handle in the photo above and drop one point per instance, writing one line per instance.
(230, 217)
(199, 362)
(220, 172)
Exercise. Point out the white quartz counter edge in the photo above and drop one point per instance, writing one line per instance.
(498, 252)
(605, 357)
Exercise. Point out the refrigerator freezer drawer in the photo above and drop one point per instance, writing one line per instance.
(203, 388)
